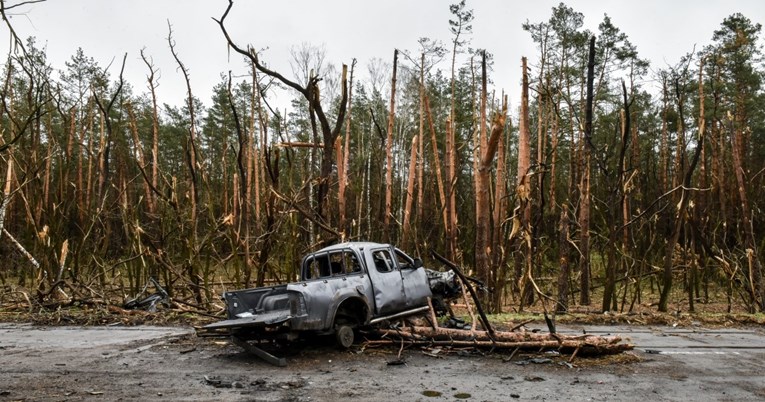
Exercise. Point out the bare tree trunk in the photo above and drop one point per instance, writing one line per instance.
(757, 290)
(154, 132)
(563, 260)
(682, 206)
(554, 152)
(618, 206)
(483, 247)
(191, 164)
(421, 142)
(523, 184)
(584, 198)
(242, 203)
(343, 159)
(410, 192)
(664, 146)
(253, 156)
(138, 150)
(6, 192)
(451, 178)
(482, 182)
(437, 166)
(499, 213)
(389, 150)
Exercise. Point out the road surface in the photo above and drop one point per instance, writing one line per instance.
(152, 363)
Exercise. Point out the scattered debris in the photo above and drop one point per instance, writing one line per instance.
(148, 303)
(220, 383)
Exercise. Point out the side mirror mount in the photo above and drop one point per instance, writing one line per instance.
(417, 263)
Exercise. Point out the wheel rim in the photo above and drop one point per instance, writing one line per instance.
(345, 336)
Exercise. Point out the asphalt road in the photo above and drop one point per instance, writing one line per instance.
(150, 363)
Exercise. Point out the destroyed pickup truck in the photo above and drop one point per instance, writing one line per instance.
(342, 287)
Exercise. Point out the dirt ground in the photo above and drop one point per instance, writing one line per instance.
(42, 363)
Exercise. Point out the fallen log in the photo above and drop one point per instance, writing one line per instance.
(581, 344)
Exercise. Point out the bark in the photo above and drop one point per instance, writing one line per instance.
(508, 340)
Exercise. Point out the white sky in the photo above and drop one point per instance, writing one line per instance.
(662, 30)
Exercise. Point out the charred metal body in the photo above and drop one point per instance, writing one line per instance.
(342, 287)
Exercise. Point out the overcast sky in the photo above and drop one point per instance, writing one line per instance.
(662, 30)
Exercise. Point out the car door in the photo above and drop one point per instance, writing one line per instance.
(387, 281)
(414, 279)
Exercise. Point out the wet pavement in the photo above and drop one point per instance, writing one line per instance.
(154, 363)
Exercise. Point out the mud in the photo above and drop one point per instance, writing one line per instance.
(156, 363)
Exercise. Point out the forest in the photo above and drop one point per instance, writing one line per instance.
(614, 184)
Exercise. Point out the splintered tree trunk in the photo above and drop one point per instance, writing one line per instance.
(523, 258)
(499, 214)
(451, 213)
(410, 192)
(437, 166)
(482, 207)
(389, 151)
(343, 157)
(754, 265)
(421, 159)
(489, 146)
(584, 198)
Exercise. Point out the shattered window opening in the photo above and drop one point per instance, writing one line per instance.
(383, 261)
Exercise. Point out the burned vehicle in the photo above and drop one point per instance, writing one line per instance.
(342, 287)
